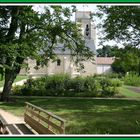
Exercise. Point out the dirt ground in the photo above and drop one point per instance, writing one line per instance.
(10, 118)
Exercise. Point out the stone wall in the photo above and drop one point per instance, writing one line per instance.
(66, 66)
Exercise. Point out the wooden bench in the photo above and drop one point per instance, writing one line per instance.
(37, 121)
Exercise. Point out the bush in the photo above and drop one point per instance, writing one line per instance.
(16, 90)
(92, 85)
(114, 75)
(109, 86)
(63, 85)
(132, 79)
(109, 91)
(56, 84)
(76, 84)
(116, 82)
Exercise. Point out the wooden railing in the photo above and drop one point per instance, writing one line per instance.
(42, 121)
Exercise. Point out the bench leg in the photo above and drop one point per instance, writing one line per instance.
(3, 129)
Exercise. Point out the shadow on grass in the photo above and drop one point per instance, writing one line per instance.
(88, 116)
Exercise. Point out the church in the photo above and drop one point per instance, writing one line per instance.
(64, 64)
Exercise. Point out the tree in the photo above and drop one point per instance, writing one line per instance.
(127, 60)
(107, 51)
(121, 23)
(26, 33)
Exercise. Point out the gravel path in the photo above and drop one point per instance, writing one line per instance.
(135, 89)
(10, 118)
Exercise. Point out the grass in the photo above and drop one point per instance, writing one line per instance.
(124, 91)
(88, 116)
(19, 78)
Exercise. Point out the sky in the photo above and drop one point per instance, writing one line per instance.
(85, 7)
(80, 7)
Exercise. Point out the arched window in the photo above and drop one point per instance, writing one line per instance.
(58, 62)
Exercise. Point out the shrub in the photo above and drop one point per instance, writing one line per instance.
(63, 85)
(132, 79)
(109, 91)
(116, 82)
(92, 85)
(109, 87)
(16, 90)
(56, 84)
(76, 84)
(114, 75)
(34, 87)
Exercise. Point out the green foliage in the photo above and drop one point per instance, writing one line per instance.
(127, 60)
(120, 23)
(18, 90)
(77, 84)
(114, 75)
(109, 86)
(107, 51)
(56, 85)
(132, 79)
(92, 85)
(63, 85)
(116, 82)
(28, 33)
(87, 116)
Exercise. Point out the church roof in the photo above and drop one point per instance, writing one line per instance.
(89, 43)
(105, 60)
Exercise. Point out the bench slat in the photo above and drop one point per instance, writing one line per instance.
(3, 121)
(49, 113)
(12, 129)
(36, 125)
(24, 129)
(61, 130)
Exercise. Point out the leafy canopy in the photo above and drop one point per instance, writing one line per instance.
(25, 33)
(107, 51)
(127, 60)
(121, 23)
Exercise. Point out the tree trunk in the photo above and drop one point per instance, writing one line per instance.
(10, 76)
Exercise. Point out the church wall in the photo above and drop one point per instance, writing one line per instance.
(103, 69)
(66, 66)
(90, 68)
(53, 68)
(33, 71)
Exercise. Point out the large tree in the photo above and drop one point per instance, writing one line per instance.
(26, 33)
(121, 23)
(127, 60)
(107, 51)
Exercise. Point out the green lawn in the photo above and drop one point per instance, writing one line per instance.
(19, 77)
(124, 91)
(88, 116)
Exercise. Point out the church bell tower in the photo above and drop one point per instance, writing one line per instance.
(88, 28)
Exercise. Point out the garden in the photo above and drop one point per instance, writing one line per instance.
(62, 85)
(90, 105)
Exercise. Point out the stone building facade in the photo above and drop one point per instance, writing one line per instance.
(64, 64)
